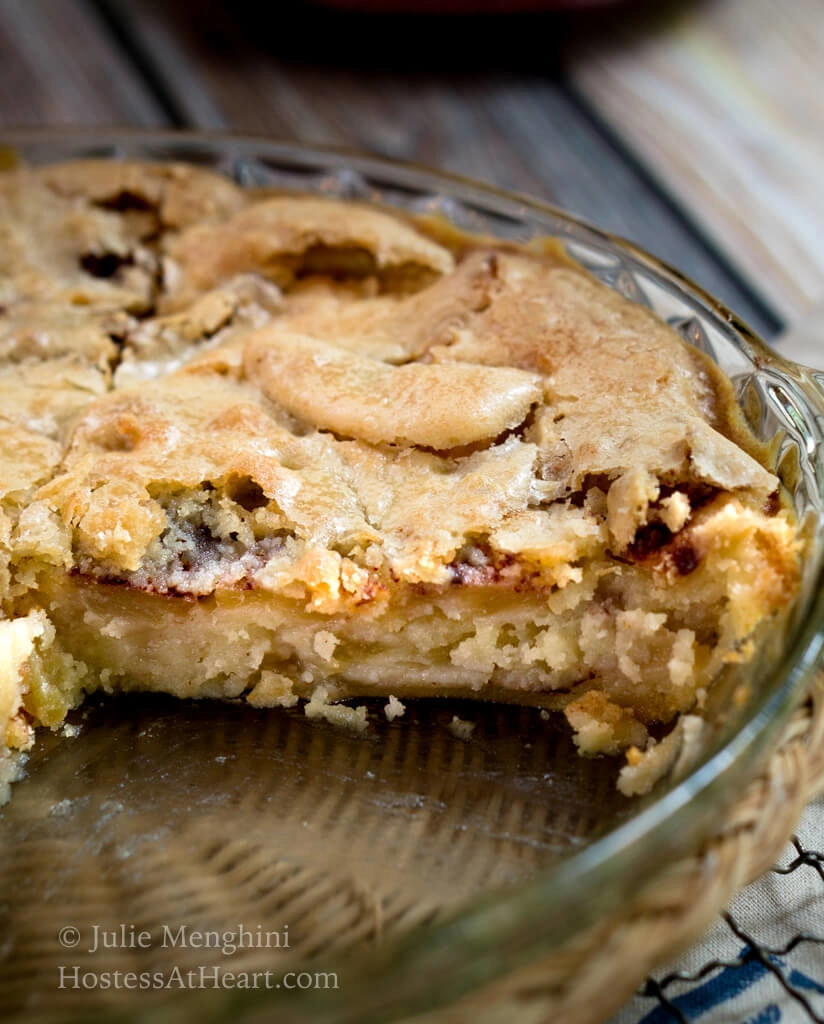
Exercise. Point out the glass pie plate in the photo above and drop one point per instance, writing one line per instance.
(378, 878)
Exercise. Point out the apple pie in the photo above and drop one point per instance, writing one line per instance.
(273, 447)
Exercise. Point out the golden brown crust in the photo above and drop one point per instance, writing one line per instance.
(417, 404)
(407, 464)
(178, 195)
(282, 237)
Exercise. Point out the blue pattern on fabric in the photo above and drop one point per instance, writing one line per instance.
(769, 1015)
(727, 984)
(801, 980)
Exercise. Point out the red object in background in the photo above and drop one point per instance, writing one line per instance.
(464, 6)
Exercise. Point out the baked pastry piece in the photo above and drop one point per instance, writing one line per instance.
(268, 448)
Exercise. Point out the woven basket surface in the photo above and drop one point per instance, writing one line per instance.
(591, 978)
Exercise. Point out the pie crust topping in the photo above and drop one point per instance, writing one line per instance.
(272, 447)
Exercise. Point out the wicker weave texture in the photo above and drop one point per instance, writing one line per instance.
(590, 979)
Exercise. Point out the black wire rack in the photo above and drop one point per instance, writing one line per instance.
(664, 991)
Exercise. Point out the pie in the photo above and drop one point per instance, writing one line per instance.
(273, 447)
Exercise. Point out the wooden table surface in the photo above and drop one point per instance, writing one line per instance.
(695, 131)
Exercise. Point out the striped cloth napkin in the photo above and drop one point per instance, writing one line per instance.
(771, 948)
